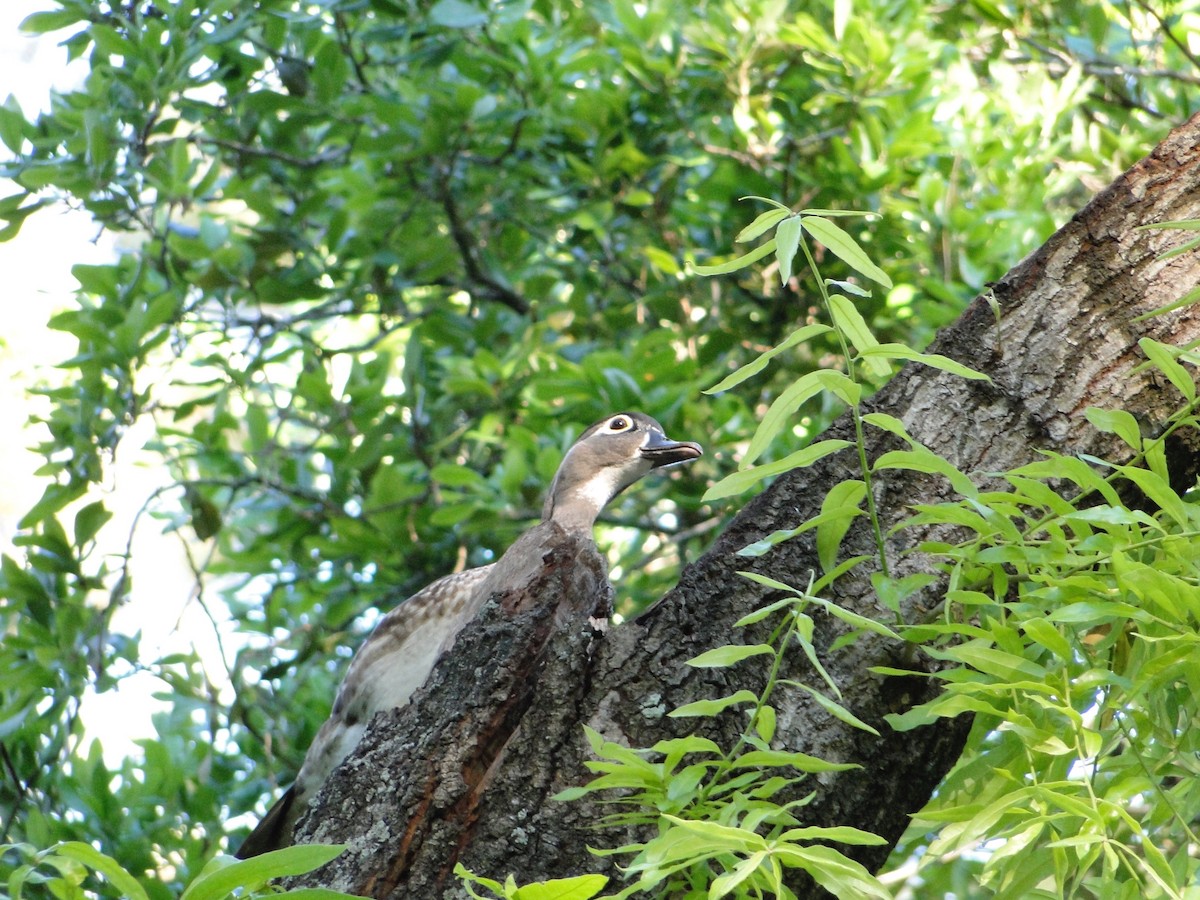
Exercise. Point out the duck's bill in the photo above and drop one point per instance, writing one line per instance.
(662, 451)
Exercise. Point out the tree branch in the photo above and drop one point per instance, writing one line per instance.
(466, 244)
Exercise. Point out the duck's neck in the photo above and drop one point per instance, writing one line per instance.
(580, 491)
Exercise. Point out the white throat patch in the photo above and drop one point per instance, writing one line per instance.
(610, 481)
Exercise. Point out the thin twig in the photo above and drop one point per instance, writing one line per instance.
(466, 244)
(1166, 29)
(300, 162)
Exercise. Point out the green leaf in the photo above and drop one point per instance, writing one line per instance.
(1177, 225)
(662, 260)
(761, 225)
(1118, 422)
(571, 794)
(722, 836)
(1005, 666)
(1164, 360)
(723, 884)
(855, 620)
(837, 710)
(53, 20)
(1159, 490)
(692, 743)
(922, 459)
(775, 203)
(767, 581)
(764, 545)
(787, 242)
(452, 475)
(594, 738)
(894, 591)
(756, 365)
(118, 877)
(709, 708)
(842, 834)
(933, 360)
(739, 263)
(780, 413)
(888, 423)
(835, 872)
(839, 213)
(223, 874)
(764, 723)
(1076, 470)
(457, 14)
(739, 481)
(753, 759)
(12, 132)
(845, 248)
(838, 510)
(1049, 637)
(722, 657)
(580, 887)
(1186, 300)
(851, 323)
(89, 520)
(471, 879)
(848, 287)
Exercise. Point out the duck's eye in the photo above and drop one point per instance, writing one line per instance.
(620, 423)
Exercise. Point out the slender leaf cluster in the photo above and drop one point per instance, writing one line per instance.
(66, 871)
(1071, 623)
(1074, 627)
(1070, 620)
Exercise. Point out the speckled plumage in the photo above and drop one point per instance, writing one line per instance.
(406, 644)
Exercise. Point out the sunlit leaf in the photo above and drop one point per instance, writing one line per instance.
(756, 365)
(845, 248)
(855, 327)
(761, 225)
(933, 360)
(721, 657)
(739, 481)
(739, 263)
(118, 877)
(787, 242)
(1166, 363)
(224, 874)
(1118, 422)
(839, 509)
(580, 887)
(712, 707)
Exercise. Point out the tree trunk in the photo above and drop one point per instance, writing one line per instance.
(466, 772)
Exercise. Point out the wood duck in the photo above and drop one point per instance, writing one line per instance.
(402, 650)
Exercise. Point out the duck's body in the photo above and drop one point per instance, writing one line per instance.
(406, 644)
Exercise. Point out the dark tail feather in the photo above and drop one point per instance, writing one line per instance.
(274, 831)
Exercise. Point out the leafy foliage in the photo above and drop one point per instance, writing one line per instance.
(72, 862)
(1070, 619)
(1074, 623)
(580, 887)
(719, 830)
(386, 259)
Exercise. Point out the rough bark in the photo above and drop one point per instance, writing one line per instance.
(465, 773)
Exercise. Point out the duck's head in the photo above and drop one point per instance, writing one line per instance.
(608, 457)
